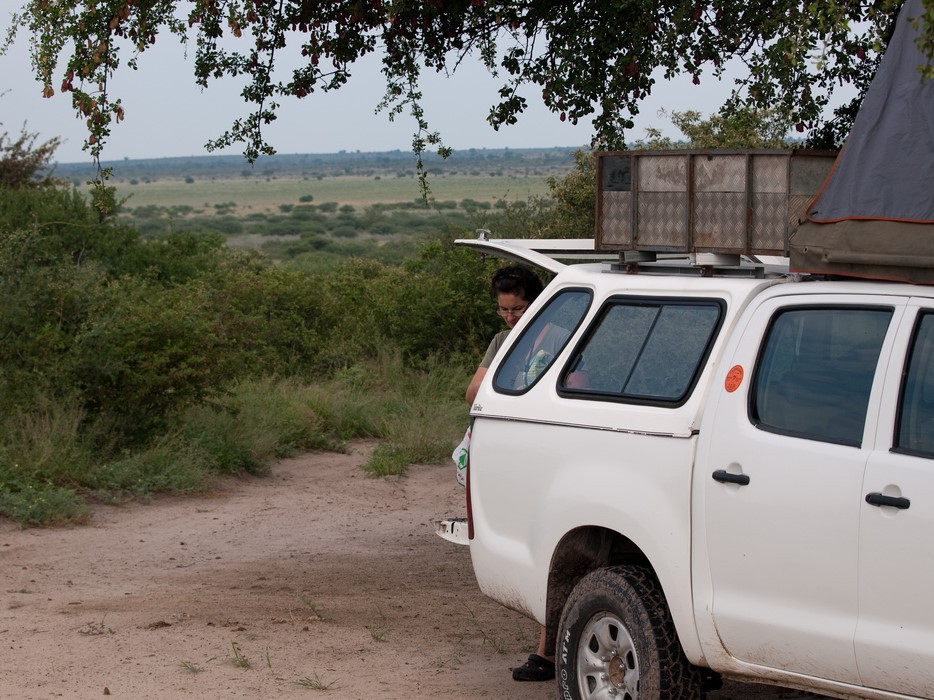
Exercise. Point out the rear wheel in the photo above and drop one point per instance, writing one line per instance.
(617, 640)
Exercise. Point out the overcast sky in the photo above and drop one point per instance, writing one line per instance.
(168, 115)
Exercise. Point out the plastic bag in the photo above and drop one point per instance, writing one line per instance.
(460, 457)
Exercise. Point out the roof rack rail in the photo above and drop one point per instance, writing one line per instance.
(699, 264)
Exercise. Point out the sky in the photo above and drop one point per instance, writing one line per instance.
(168, 115)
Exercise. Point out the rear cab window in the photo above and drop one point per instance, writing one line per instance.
(644, 350)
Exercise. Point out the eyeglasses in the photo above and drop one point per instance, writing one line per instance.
(515, 311)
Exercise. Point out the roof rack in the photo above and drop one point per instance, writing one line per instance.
(700, 264)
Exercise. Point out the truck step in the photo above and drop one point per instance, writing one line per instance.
(452, 529)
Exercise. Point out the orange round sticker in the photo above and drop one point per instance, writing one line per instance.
(734, 378)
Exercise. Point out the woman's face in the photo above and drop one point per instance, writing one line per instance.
(511, 307)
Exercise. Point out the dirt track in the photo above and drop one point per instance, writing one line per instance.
(313, 582)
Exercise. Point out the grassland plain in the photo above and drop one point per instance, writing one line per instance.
(357, 179)
(266, 195)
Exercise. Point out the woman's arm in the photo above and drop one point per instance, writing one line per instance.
(474, 385)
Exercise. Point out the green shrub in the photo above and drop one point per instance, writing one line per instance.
(145, 352)
(174, 258)
(42, 308)
(272, 316)
(42, 504)
(63, 227)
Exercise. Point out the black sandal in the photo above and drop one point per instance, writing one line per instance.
(536, 668)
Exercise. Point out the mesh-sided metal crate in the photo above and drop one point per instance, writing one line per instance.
(717, 201)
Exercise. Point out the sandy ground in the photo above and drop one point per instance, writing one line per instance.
(312, 582)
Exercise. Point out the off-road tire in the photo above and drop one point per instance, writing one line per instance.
(617, 639)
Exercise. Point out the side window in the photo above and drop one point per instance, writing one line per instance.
(542, 341)
(914, 433)
(644, 350)
(815, 371)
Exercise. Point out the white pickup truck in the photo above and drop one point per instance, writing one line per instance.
(724, 472)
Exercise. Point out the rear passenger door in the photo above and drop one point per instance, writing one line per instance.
(895, 633)
(783, 464)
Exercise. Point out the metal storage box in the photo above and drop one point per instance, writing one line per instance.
(716, 201)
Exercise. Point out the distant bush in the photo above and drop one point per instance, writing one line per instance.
(344, 231)
(306, 212)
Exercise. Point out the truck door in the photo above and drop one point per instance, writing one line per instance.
(895, 633)
(782, 463)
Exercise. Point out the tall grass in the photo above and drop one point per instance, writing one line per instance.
(50, 474)
(42, 456)
(418, 415)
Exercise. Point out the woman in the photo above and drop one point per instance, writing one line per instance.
(514, 289)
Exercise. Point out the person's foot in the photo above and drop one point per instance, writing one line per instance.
(536, 668)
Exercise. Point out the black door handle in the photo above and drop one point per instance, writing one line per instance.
(725, 477)
(878, 499)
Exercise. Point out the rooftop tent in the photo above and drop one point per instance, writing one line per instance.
(874, 216)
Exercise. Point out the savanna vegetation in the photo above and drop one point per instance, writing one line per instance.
(141, 361)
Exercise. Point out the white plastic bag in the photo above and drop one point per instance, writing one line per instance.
(460, 456)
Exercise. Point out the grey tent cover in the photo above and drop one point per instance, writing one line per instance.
(873, 217)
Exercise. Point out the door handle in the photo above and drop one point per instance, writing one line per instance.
(878, 499)
(725, 477)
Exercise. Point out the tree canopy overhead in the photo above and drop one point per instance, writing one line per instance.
(592, 59)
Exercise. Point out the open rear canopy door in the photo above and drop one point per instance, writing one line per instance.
(546, 253)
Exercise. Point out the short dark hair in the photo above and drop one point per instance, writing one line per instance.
(518, 280)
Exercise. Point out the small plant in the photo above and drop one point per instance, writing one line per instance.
(95, 629)
(377, 626)
(452, 661)
(386, 460)
(189, 667)
(238, 659)
(498, 645)
(317, 612)
(314, 683)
